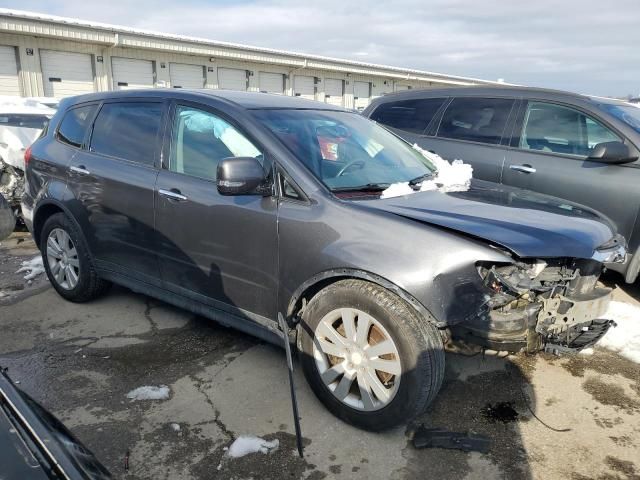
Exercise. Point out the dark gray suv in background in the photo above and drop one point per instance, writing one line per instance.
(584, 149)
(240, 205)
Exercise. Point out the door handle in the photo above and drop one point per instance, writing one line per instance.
(523, 168)
(80, 169)
(173, 194)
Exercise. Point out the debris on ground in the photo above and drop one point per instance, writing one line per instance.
(33, 267)
(149, 393)
(246, 444)
(175, 427)
(624, 339)
(440, 438)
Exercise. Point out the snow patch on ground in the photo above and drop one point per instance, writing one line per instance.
(246, 444)
(149, 393)
(449, 177)
(33, 267)
(625, 338)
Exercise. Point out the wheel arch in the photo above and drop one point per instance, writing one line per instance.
(308, 289)
(43, 211)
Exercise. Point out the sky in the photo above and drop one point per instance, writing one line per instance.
(585, 46)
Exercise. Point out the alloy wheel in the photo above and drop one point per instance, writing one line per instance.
(357, 359)
(62, 258)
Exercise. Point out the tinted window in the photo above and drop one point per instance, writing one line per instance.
(476, 119)
(74, 125)
(409, 115)
(557, 129)
(201, 139)
(128, 131)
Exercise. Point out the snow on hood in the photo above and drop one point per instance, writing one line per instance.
(15, 140)
(449, 177)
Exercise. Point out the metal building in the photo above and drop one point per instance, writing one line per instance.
(43, 55)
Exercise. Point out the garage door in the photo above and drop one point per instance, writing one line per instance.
(131, 73)
(361, 94)
(271, 82)
(333, 90)
(186, 76)
(400, 88)
(66, 73)
(232, 79)
(304, 87)
(9, 84)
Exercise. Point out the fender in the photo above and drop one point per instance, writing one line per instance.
(341, 273)
(45, 204)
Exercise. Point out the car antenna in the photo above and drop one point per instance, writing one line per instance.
(294, 403)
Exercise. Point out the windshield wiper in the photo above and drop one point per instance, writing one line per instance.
(369, 187)
(420, 178)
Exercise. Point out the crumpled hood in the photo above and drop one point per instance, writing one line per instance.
(14, 141)
(527, 223)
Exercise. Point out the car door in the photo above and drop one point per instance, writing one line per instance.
(551, 144)
(112, 184)
(474, 130)
(219, 250)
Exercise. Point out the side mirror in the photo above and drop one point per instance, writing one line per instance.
(612, 152)
(240, 176)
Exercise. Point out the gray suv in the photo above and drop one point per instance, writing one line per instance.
(584, 149)
(238, 206)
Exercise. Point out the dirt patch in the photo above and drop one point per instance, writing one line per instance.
(623, 441)
(606, 363)
(625, 467)
(610, 394)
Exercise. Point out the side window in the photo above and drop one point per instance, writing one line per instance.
(128, 131)
(476, 119)
(409, 115)
(74, 125)
(554, 128)
(201, 139)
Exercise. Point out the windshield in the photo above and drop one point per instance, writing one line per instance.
(344, 150)
(629, 114)
(23, 120)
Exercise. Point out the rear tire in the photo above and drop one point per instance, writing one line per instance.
(68, 262)
(376, 399)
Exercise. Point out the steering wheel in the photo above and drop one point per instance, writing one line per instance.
(349, 165)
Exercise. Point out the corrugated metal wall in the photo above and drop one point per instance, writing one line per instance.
(30, 38)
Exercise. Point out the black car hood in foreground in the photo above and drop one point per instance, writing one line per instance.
(529, 224)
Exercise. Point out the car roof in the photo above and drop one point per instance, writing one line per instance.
(497, 90)
(247, 100)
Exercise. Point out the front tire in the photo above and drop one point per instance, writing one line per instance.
(68, 262)
(368, 356)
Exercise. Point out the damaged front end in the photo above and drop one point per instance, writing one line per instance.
(554, 305)
(11, 190)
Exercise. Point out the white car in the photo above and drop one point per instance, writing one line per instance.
(21, 121)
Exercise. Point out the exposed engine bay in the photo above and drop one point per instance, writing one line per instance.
(554, 305)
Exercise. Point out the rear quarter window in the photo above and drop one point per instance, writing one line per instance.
(74, 125)
(476, 119)
(408, 115)
(128, 130)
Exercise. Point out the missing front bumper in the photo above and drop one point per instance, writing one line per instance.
(573, 323)
(560, 324)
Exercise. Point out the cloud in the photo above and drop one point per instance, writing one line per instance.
(579, 45)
